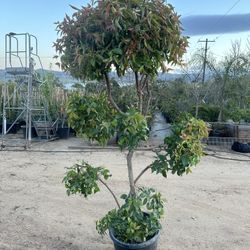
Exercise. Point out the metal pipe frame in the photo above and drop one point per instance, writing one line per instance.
(24, 56)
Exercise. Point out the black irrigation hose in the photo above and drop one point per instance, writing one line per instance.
(226, 158)
(82, 150)
(108, 149)
(226, 151)
(47, 151)
(90, 149)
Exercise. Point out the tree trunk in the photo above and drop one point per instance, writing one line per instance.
(109, 92)
(130, 172)
(138, 90)
(196, 109)
(219, 119)
(148, 96)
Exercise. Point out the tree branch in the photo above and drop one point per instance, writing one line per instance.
(112, 193)
(138, 91)
(136, 81)
(149, 96)
(111, 100)
(142, 172)
(145, 82)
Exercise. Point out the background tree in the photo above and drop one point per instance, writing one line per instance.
(231, 88)
(193, 69)
(53, 97)
(225, 94)
(172, 98)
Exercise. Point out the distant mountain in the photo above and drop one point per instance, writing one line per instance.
(68, 80)
(2, 73)
(129, 77)
(65, 78)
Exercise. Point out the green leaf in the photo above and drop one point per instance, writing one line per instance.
(124, 196)
(164, 173)
(117, 51)
(85, 113)
(82, 178)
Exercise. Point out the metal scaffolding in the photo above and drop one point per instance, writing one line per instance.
(21, 53)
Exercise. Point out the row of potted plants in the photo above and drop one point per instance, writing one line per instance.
(50, 95)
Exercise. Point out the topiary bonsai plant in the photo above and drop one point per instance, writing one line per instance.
(141, 36)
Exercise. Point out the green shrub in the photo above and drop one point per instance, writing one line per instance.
(238, 114)
(208, 113)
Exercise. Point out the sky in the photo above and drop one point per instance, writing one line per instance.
(223, 21)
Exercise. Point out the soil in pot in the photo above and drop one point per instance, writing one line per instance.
(150, 244)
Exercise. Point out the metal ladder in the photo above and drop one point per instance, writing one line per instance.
(44, 127)
(20, 51)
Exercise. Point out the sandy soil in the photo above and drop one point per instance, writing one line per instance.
(208, 209)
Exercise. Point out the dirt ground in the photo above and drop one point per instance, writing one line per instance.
(208, 209)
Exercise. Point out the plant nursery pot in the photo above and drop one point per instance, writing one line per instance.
(63, 133)
(72, 131)
(241, 147)
(14, 128)
(150, 244)
(33, 132)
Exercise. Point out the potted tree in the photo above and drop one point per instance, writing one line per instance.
(63, 129)
(121, 35)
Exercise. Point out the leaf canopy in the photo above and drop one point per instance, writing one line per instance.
(142, 35)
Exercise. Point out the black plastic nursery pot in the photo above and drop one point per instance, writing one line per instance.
(150, 244)
(63, 133)
(241, 147)
(12, 128)
(33, 132)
